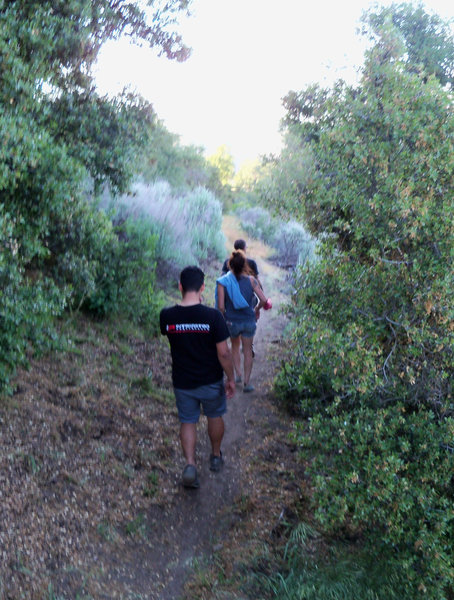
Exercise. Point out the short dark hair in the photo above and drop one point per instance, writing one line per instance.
(239, 245)
(192, 278)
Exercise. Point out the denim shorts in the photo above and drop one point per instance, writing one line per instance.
(244, 328)
(210, 397)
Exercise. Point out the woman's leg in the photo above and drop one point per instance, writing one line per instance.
(236, 356)
(247, 352)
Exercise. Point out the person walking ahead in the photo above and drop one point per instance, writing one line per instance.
(200, 355)
(253, 269)
(235, 299)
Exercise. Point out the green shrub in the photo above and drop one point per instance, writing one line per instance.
(390, 471)
(372, 361)
(187, 227)
(125, 278)
(29, 302)
(77, 242)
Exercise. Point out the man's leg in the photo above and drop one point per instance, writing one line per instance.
(188, 437)
(215, 433)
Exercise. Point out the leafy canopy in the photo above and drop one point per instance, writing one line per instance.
(428, 40)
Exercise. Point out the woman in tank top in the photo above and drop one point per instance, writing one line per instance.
(242, 322)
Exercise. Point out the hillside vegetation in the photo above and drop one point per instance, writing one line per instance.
(369, 371)
(100, 208)
(64, 149)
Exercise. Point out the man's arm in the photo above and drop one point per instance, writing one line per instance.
(162, 324)
(253, 266)
(225, 358)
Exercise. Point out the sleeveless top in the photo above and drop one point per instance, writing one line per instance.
(242, 314)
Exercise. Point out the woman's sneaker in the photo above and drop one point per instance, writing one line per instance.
(216, 462)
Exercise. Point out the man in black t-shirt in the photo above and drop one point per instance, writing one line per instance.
(200, 355)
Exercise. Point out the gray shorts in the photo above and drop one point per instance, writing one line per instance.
(210, 397)
(244, 328)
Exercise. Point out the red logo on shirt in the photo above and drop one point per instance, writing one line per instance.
(188, 328)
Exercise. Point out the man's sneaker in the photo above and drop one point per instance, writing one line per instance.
(190, 479)
(216, 462)
(248, 388)
(238, 379)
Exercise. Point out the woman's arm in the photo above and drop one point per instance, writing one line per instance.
(259, 292)
(221, 298)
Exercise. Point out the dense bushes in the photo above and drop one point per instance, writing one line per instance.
(372, 361)
(38, 182)
(126, 277)
(293, 244)
(28, 304)
(390, 469)
(52, 239)
(57, 134)
(187, 226)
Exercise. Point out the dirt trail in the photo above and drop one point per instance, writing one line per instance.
(90, 468)
(196, 522)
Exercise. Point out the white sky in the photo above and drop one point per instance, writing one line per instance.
(247, 54)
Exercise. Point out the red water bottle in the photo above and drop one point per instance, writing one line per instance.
(267, 305)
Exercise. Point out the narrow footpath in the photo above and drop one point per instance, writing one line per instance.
(198, 525)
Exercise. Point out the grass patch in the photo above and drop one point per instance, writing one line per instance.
(108, 532)
(309, 568)
(137, 527)
(152, 485)
(144, 383)
(164, 396)
(117, 367)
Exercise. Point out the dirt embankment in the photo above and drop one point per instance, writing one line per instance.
(91, 500)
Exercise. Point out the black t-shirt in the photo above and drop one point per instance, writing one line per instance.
(252, 265)
(193, 332)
